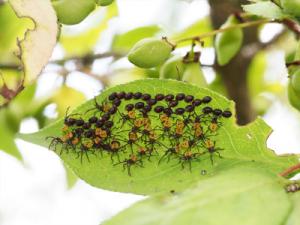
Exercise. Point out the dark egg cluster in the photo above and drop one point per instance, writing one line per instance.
(134, 127)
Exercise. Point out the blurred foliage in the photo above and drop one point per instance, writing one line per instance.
(179, 59)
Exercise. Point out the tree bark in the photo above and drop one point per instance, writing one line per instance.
(234, 75)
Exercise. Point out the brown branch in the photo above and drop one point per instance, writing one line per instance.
(290, 170)
(294, 63)
(86, 59)
(217, 31)
(292, 25)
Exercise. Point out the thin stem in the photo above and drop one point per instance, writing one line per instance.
(215, 32)
(290, 170)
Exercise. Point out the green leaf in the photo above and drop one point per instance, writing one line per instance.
(295, 81)
(86, 40)
(12, 28)
(234, 196)
(104, 2)
(71, 177)
(228, 43)
(66, 97)
(200, 27)
(7, 143)
(37, 46)
(256, 74)
(124, 42)
(294, 97)
(150, 52)
(294, 217)
(193, 74)
(291, 7)
(241, 145)
(72, 12)
(265, 9)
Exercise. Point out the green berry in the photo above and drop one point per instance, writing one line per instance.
(193, 74)
(72, 12)
(150, 52)
(173, 68)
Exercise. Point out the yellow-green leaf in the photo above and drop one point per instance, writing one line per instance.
(228, 43)
(37, 46)
(242, 145)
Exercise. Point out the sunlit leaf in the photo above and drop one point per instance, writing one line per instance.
(37, 46)
(241, 145)
(12, 28)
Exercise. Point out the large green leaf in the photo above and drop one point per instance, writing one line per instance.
(241, 145)
(294, 217)
(242, 195)
(72, 12)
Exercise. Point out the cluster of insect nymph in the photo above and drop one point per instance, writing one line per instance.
(133, 127)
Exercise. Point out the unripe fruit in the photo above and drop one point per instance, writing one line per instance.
(150, 52)
(291, 6)
(173, 68)
(294, 98)
(295, 81)
(72, 12)
(193, 74)
(104, 2)
(228, 43)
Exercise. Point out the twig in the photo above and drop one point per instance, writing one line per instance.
(292, 25)
(290, 170)
(88, 58)
(215, 32)
(294, 63)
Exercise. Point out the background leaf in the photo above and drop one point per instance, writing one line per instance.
(228, 43)
(218, 200)
(86, 40)
(266, 9)
(37, 46)
(241, 144)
